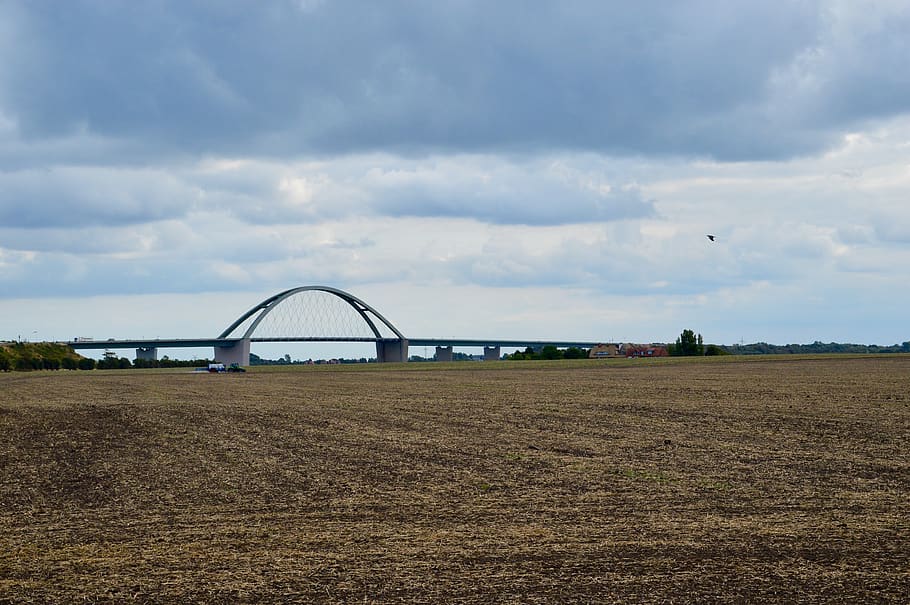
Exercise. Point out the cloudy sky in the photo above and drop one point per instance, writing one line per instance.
(470, 169)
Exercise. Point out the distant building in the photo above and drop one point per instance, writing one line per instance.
(645, 350)
(630, 350)
(605, 350)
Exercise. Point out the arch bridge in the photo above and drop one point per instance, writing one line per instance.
(313, 314)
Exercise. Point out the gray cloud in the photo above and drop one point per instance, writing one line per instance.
(255, 211)
(497, 192)
(75, 197)
(733, 81)
(521, 205)
(63, 274)
(488, 189)
(894, 230)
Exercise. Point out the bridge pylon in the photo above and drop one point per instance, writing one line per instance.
(491, 353)
(237, 352)
(150, 353)
(392, 350)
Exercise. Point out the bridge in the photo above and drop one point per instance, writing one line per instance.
(315, 314)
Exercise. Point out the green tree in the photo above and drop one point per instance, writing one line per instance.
(688, 344)
(575, 353)
(109, 361)
(550, 352)
(528, 353)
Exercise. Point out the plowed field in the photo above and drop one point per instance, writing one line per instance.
(773, 480)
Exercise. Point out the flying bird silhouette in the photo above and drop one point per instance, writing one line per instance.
(710, 237)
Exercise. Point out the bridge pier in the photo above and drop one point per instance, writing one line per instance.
(491, 353)
(237, 352)
(150, 353)
(444, 353)
(392, 350)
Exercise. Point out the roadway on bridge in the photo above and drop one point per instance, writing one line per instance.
(177, 343)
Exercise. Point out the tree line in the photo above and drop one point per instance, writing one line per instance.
(548, 352)
(24, 357)
(763, 348)
(690, 343)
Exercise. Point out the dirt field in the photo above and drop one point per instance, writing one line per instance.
(775, 480)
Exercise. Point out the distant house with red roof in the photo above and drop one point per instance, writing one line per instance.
(630, 350)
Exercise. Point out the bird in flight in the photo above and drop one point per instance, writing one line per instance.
(710, 237)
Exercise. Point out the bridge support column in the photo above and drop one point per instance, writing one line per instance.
(392, 350)
(147, 353)
(238, 352)
(443, 353)
(491, 353)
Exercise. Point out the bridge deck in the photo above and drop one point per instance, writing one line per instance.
(494, 342)
(176, 343)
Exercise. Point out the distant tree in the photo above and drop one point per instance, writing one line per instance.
(550, 352)
(108, 361)
(528, 353)
(86, 363)
(688, 344)
(575, 353)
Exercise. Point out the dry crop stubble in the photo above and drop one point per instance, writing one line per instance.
(752, 480)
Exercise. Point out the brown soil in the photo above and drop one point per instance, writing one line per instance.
(739, 481)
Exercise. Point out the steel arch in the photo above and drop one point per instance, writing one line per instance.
(269, 304)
